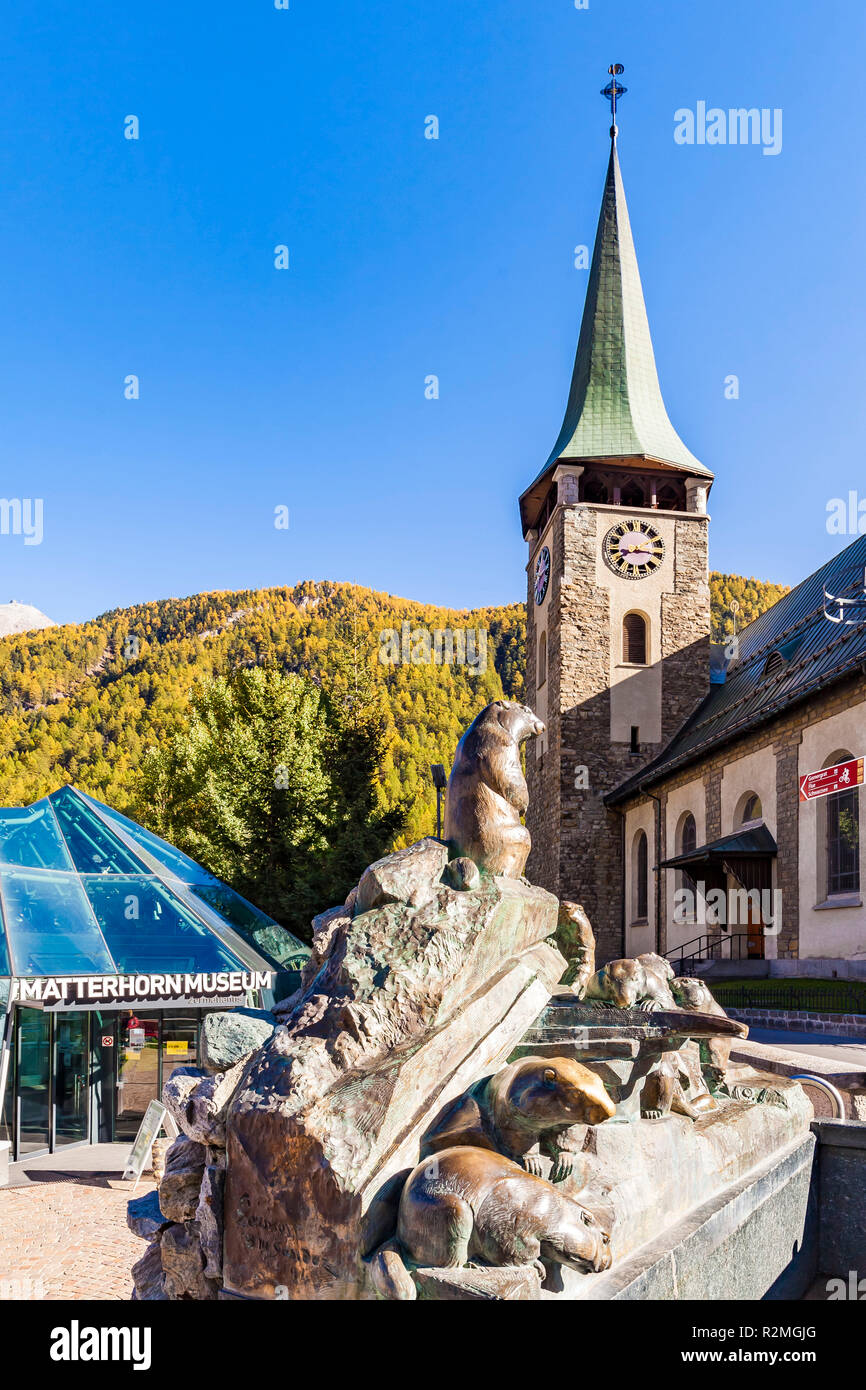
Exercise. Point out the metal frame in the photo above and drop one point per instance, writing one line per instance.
(52, 1147)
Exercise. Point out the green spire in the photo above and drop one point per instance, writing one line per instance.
(615, 405)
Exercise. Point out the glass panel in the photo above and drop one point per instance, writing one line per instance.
(179, 1042)
(5, 963)
(843, 842)
(93, 847)
(137, 1071)
(8, 1097)
(254, 926)
(29, 837)
(148, 929)
(50, 926)
(70, 1078)
(34, 1080)
(165, 854)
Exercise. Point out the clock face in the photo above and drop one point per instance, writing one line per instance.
(633, 549)
(542, 574)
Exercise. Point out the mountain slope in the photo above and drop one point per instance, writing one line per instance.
(21, 617)
(81, 703)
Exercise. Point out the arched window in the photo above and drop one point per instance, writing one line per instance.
(687, 840)
(841, 827)
(633, 494)
(641, 874)
(752, 809)
(542, 660)
(634, 643)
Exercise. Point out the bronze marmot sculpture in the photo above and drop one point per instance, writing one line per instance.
(468, 1204)
(576, 940)
(694, 996)
(487, 791)
(642, 983)
(526, 1104)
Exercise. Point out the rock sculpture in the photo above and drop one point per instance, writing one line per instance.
(428, 1116)
(415, 1000)
(471, 1204)
(487, 791)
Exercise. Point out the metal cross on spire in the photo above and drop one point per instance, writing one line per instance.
(613, 91)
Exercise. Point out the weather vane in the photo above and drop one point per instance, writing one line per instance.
(613, 91)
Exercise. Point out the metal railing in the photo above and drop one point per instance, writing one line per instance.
(708, 948)
(785, 998)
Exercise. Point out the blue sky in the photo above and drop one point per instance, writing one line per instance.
(408, 257)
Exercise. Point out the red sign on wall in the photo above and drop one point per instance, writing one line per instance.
(831, 779)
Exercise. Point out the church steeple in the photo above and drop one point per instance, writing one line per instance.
(615, 410)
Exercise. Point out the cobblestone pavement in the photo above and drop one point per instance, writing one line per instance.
(68, 1239)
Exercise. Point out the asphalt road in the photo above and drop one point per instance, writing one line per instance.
(845, 1050)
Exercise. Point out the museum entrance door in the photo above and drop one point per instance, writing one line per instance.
(33, 1066)
(71, 1093)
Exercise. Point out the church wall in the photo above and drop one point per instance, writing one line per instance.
(829, 931)
(592, 698)
(691, 796)
(774, 757)
(543, 759)
(640, 937)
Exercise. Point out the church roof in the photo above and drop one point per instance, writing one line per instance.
(615, 407)
(789, 653)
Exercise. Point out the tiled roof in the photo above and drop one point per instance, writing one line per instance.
(791, 652)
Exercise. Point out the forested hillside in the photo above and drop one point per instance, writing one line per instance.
(754, 597)
(82, 703)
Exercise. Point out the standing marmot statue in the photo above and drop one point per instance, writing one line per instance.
(487, 791)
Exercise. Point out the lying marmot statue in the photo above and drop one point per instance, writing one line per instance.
(468, 1204)
(642, 983)
(487, 791)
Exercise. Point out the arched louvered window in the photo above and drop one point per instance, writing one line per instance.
(634, 643)
(542, 660)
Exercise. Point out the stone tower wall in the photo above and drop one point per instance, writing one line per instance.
(578, 846)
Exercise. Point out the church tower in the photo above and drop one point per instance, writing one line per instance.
(618, 586)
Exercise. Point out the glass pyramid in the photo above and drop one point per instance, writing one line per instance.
(85, 890)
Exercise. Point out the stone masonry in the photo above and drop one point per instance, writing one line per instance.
(577, 841)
